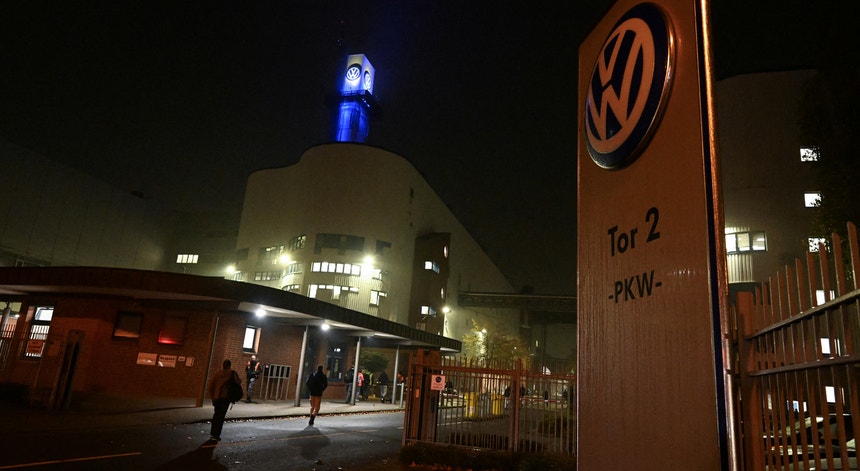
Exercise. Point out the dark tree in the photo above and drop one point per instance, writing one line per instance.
(830, 120)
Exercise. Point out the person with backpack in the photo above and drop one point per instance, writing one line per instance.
(219, 391)
(316, 383)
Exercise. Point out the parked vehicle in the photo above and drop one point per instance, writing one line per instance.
(800, 445)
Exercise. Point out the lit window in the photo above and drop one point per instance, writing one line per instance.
(376, 297)
(812, 199)
(814, 241)
(759, 241)
(39, 332)
(827, 351)
(249, 342)
(742, 242)
(445, 251)
(431, 265)
(294, 268)
(830, 394)
(731, 243)
(428, 311)
(293, 288)
(819, 296)
(810, 153)
(186, 258)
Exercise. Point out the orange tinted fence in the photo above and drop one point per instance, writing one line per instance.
(478, 404)
(799, 364)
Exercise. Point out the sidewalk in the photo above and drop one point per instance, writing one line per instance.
(107, 412)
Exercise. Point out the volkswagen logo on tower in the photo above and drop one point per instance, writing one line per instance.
(353, 72)
(629, 86)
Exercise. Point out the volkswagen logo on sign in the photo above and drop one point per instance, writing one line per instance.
(629, 86)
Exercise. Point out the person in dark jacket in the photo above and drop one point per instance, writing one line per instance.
(252, 372)
(218, 393)
(348, 379)
(317, 382)
(383, 382)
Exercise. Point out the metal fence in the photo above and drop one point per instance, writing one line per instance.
(799, 363)
(462, 402)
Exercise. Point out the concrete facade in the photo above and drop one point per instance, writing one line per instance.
(55, 215)
(764, 179)
(357, 205)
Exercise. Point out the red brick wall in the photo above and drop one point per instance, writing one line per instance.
(109, 365)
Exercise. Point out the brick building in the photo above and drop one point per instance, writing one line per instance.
(77, 331)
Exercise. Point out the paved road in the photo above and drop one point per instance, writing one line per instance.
(154, 436)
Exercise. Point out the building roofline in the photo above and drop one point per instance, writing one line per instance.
(20, 283)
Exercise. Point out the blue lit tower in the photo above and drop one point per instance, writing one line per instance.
(356, 100)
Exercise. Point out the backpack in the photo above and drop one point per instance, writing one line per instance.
(234, 389)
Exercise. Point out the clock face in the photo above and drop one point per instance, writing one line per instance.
(353, 72)
(367, 80)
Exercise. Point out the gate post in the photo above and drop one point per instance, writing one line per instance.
(751, 410)
(421, 404)
(514, 429)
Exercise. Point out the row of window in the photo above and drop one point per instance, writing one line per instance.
(742, 242)
(127, 326)
(352, 269)
(187, 258)
(336, 291)
(170, 332)
(267, 275)
(333, 267)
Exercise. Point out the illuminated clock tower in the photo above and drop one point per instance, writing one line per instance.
(356, 100)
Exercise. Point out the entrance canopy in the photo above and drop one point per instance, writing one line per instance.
(21, 284)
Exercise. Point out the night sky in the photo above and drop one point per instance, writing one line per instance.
(181, 101)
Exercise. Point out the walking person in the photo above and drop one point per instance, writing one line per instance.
(252, 371)
(218, 393)
(401, 383)
(347, 378)
(383, 386)
(317, 383)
